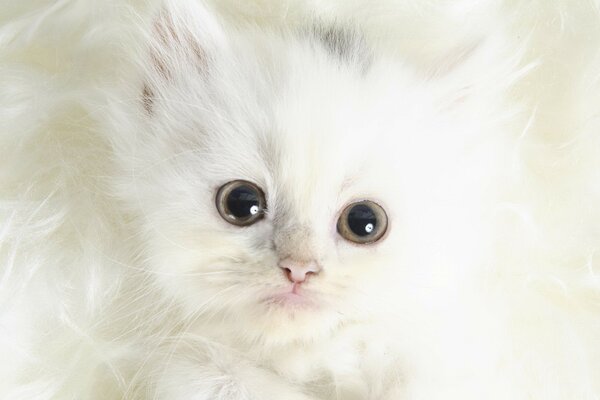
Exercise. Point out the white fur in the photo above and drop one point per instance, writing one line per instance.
(478, 136)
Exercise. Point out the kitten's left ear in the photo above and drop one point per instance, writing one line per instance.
(488, 65)
(184, 38)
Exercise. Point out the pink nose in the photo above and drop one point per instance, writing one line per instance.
(298, 271)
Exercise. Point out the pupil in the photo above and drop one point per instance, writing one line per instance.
(242, 202)
(362, 220)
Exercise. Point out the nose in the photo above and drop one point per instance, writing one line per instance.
(298, 271)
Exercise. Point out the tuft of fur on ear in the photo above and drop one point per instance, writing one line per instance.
(183, 39)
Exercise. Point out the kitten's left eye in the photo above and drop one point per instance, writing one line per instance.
(241, 203)
(363, 222)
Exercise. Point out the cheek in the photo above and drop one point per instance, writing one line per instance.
(368, 270)
(351, 274)
(198, 265)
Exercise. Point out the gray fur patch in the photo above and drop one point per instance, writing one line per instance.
(346, 44)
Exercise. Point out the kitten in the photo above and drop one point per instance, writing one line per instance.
(309, 204)
(290, 214)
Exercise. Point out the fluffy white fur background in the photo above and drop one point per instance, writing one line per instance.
(97, 299)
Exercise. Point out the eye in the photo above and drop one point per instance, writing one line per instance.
(241, 203)
(363, 222)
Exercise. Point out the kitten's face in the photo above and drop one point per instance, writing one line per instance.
(315, 133)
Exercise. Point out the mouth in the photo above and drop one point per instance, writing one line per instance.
(293, 296)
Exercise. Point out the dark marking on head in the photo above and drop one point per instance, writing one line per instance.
(346, 44)
(147, 99)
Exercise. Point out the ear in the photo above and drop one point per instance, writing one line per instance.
(487, 66)
(184, 38)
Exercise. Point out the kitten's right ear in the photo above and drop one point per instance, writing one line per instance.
(184, 38)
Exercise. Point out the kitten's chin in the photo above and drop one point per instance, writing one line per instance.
(290, 315)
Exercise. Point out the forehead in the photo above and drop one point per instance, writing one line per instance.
(312, 122)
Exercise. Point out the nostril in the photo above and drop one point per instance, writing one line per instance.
(288, 273)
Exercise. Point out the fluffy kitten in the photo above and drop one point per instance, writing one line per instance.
(184, 232)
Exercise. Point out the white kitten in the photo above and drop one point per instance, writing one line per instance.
(255, 213)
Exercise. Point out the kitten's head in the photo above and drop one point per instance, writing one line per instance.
(291, 182)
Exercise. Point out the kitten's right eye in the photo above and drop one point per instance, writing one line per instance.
(241, 203)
